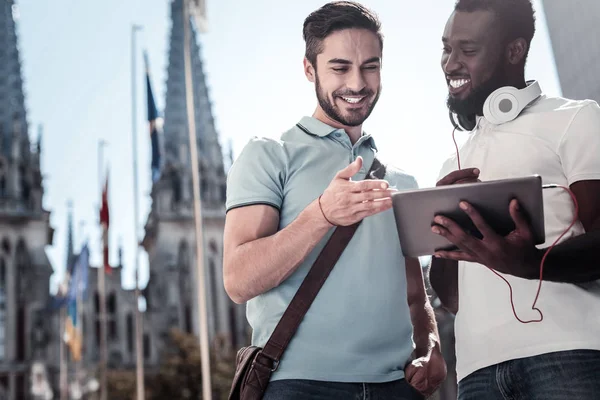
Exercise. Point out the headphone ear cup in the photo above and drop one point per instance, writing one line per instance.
(502, 106)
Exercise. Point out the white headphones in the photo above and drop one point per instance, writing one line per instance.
(506, 103)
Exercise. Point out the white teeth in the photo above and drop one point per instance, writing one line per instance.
(352, 100)
(456, 83)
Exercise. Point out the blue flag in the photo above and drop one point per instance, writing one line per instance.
(79, 275)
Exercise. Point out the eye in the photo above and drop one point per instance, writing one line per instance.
(469, 52)
(372, 67)
(446, 49)
(340, 69)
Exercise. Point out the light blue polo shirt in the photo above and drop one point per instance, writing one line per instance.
(358, 329)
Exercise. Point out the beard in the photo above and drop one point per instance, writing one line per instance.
(356, 117)
(473, 104)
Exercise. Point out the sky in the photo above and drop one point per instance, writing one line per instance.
(77, 67)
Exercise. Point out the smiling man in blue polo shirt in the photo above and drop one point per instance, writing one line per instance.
(370, 332)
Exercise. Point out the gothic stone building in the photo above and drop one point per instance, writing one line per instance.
(25, 332)
(170, 230)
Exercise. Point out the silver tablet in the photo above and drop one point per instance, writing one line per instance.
(414, 211)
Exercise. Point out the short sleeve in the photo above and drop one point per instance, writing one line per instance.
(579, 149)
(257, 175)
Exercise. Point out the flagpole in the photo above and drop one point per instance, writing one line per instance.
(63, 355)
(200, 285)
(102, 291)
(139, 360)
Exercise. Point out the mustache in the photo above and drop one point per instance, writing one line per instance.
(362, 92)
(449, 77)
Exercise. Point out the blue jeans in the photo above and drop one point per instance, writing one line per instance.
(297, 389)
(565, 375)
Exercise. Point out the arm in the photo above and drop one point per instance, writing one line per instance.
(425, 332)
(256, 257)
(443, 276)
(428, 370)
(574, 261)
(579, 253)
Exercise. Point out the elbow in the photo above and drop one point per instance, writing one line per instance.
(232, 285)
(232, 289)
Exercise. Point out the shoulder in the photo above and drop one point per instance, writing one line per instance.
(261, 152)
(263, 146)
(562, 110)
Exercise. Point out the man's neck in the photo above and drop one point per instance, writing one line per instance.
(353, 132)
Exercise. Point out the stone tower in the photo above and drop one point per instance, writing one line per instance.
(170, 233)
(26, 334)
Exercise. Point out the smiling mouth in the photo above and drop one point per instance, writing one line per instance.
(354, 100)
(456, 86)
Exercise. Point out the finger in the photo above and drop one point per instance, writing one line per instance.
(409, 372)
(351, 170)
(478, 220)
(373, 195)
(456, 256)
(370, 184)
(521, 223)
(455, 176)
(455, 234)
(419, 380)
(370, 208)
(466, 180)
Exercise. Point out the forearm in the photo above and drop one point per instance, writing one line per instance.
(262, 264)
(425, 332)
(443, 277)
(574, 261)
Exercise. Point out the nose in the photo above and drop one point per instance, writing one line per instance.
(450, 63)
(356, 81)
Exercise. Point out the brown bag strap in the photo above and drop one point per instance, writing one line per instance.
(308, 290)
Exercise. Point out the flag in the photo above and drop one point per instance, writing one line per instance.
(198, 12)
(104, 222)
(79, 275)
(73, 336)
(77, 291)
(152, 124)
(76, 279)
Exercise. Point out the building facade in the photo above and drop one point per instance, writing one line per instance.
(26, 334)
(575, 35)
(170, 230)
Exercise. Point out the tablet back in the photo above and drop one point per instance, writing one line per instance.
(414, 211)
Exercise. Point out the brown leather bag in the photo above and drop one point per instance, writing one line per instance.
(254, 365)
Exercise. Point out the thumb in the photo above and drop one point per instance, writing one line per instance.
(351, 170)
(521, 222)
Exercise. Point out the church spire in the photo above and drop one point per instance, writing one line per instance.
(175, 124)
(70, 255)
(12, 98)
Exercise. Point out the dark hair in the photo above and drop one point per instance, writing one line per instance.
(336, 16)
(517, 17)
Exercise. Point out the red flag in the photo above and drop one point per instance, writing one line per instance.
(104, 222)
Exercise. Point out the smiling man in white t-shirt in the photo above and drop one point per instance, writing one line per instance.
(498, 357)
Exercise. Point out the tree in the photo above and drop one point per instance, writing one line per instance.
(180, 374)
(120, 384)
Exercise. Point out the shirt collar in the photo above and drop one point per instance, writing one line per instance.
(313, 126)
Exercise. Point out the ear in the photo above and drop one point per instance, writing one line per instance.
(309, 70)
(516, 51)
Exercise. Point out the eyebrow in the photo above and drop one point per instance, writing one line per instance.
(462, 42)
(348, 62)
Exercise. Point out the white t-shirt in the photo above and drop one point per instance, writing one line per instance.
(559, 140)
